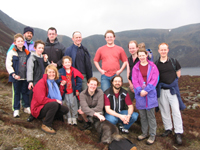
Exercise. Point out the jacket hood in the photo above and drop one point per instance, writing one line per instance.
(48, 42)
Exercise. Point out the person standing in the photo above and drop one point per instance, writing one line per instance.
(81, 59)
(168, 93)
(145, 78)
(53, 48)
(110, 54)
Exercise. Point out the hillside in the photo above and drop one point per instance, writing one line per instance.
(184, 42)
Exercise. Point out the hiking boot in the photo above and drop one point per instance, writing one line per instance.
(151, 139)
(27, 110)
(69, 121)
(166, 133)
(16, 113)
(178, 138)
(30, 118)
(47, 129)
(74, 122)
(87, 125)
(141, 137)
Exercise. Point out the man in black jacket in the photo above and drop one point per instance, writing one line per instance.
(53, 48)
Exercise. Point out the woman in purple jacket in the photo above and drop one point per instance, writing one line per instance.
(145, 78)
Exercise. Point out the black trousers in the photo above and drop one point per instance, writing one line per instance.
(51, 111)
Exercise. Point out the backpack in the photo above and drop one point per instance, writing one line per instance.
(123, 144)
(150, 54)
(173, 61)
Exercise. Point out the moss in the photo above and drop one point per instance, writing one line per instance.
(31, 143)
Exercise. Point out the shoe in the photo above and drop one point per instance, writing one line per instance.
(69, 121)
(87, 125)
(30, 118)
(74, 122)
(27, 110)
(16, 113)
(178, 138)
(151, 139)
(166, 133)
(123, 130)
(48, 129)
(142, 137)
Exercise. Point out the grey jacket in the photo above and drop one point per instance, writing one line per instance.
(90, 105)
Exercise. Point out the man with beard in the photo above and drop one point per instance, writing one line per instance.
(28, 43)
(118, 106)
(53, 48)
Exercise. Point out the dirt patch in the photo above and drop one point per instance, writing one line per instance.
(17, 133)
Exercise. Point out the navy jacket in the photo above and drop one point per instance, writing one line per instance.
(72, 50)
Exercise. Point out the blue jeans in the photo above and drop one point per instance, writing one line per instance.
(105, 82)
(114, 120)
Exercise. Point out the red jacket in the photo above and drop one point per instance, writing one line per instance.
(40, 92)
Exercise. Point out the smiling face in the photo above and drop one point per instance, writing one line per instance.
(110, 39)
(117, 83)
(28, 35)
(51, 74)
(77, 39)
(67, 63)
(92, 86)
(163, 50)
(142, 57)
(132, 48)
(39, 49)
(19, 42)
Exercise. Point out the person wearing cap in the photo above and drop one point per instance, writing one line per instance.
(28, 42)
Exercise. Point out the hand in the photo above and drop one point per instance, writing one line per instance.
(123, 118)
(102, 71)
(54, 63)
(118, 72)
(58, 101)
(101, 117)
(77, 93)
(63, 82)
(45, 56)
(131, 88)
(127, 119)
(80, 111)
(17, 77)
(143, 93)
(30, 85)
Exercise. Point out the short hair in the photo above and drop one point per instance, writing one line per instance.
(163, 44)
(51, 66)
(52, 28)
(142, 50)
(75, 32)
(17, 36)
(133, 41)
(38, 42)
(109, 31)
(93, 78)
(115, 77)
(141, 45)
(66, 57)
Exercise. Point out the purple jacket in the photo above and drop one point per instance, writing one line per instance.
(149, 101)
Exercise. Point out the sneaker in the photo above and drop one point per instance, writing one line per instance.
(151, 139)
(178, 138)
(69, 121)
(74, 122)
(47, 129)
(87, 125)
(16, 113)
(141, 137)
(125, 131)
(27, 110)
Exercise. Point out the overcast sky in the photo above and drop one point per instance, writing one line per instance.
(96, 16)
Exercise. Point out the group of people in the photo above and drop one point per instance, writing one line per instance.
(54, 81)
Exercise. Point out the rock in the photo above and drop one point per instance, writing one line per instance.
(191, 94)
(189, 107)
(194, 106)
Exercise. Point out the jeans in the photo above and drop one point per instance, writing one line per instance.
(105, 82)
(114, 120)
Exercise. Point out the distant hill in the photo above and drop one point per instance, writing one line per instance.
(184, 42)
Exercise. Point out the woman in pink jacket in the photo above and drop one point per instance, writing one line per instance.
(145, 78)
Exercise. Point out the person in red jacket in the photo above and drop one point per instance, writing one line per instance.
(46, 103)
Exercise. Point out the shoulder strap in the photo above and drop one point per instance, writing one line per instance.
(173, 61)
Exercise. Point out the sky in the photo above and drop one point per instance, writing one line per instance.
(96, 16)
